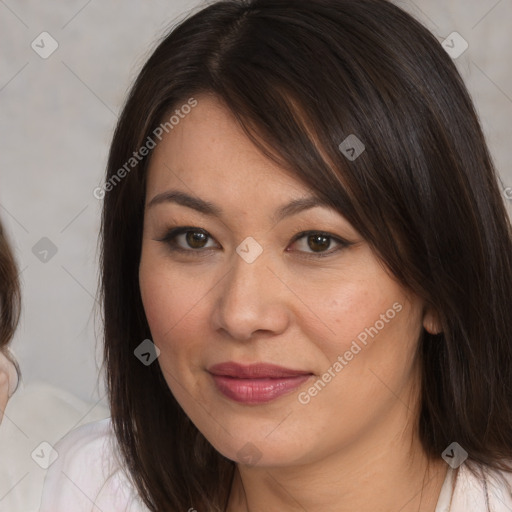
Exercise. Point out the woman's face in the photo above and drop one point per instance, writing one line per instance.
(240, 287)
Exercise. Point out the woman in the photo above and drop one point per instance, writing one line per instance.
(307, 276)
(9, 314)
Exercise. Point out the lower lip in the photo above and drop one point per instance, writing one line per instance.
(257, 391)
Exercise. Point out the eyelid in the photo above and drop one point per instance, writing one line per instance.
(172, 233)
(342, 243)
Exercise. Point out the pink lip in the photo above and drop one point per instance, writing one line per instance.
(256, 371)
(256, 383)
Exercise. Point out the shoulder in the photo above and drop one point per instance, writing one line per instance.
(79, 441)
(87, 474)
(484, 489)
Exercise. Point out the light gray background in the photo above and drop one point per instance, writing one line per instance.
(57, 118)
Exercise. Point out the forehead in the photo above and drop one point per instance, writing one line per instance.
(208, 152)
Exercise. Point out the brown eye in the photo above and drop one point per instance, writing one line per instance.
(187, 240)
(319, 243)
(193, 241)
(196, 239)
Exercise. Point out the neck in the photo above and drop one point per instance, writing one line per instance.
(367, 491)
(367, 475)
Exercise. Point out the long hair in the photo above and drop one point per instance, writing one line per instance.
(302, 76)
(10, 298)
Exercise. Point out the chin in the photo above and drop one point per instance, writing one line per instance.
(254, 449)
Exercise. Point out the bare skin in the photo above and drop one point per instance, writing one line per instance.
(8, 382)
(4, 393)
(350, 446)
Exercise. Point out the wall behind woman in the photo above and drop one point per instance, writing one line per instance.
(64, 71)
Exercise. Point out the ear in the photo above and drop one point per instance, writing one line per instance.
(431, 321)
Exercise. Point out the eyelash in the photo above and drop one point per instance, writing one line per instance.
(170, 240)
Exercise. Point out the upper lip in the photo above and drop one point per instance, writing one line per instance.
(256, 370)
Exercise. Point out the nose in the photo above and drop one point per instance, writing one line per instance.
(251, 299)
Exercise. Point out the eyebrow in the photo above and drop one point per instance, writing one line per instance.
(208, 208)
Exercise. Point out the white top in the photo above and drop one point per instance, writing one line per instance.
(87, 477)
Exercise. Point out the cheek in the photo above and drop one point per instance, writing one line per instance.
(174, 308)
(359, 310)
(373, 329)
(347, 298)
(162, 296)
(159, 304)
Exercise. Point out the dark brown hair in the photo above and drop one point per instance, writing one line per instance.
(10, 299)
(300, 76)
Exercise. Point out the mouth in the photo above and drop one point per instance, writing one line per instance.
(257, 383)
